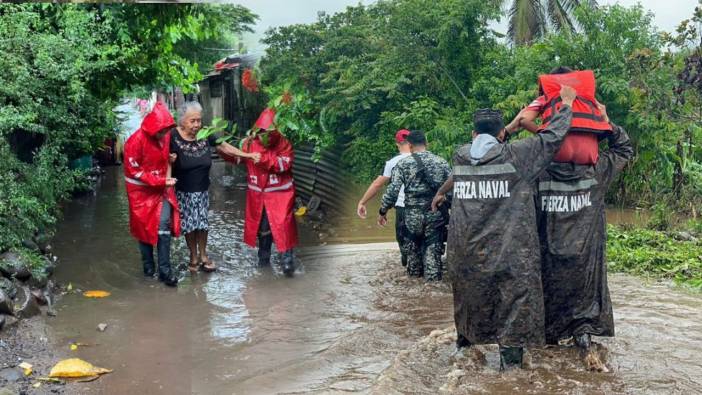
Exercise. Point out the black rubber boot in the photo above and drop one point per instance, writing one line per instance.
(165, 272)
(288, 263)
(511, 358)
(583, 341)
(147, 259)
(265, 244)
(462, 342)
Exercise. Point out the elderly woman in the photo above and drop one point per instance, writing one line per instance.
(192, 170)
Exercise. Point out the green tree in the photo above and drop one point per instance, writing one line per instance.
(530, 20)
(371, 70)
(65, 66)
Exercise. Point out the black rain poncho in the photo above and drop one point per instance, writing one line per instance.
(494, 259)
(572, 229)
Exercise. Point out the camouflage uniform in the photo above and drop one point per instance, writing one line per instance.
(423, 228)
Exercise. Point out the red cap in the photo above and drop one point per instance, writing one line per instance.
(401, 135)
(265, 120)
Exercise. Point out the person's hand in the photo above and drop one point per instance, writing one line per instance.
(603, 110)
(438, 200)
(172, 157)
(568, 95)
(514, 126)
(382, 220)
(361, 210)
(170, 182)
(255, 157)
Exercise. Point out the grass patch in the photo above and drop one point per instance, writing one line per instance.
(654, 253)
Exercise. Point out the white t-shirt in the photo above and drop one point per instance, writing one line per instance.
(387, 172)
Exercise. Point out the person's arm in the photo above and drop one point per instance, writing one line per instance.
(371, 192)
(619, 152)
(528, 121)
(171, 159)
(440, 196)
(390, 196)
(225, 149)
(279, 160)
(533, 155)
(133, 159)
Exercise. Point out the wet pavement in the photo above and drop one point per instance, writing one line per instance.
(350, 320)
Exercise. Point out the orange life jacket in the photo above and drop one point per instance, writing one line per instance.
(586, 116)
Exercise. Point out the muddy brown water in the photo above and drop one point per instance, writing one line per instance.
(357, 230)
(350, 321)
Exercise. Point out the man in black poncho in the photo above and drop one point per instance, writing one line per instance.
(572, 229)
(493, 245)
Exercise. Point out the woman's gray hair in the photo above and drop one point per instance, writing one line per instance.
(186, 108)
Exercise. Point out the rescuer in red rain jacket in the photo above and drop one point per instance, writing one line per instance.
(271, 194)
(153, 208)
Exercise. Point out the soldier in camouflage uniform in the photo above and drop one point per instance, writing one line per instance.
(422, 174)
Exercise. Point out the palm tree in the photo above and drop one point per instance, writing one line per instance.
(531, 19)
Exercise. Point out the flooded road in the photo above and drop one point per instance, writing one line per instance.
(350, 321)
(357, 230)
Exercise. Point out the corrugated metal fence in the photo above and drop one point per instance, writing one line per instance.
(326, 178)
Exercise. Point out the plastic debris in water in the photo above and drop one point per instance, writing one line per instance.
(76, 368)
(96, 294)
(301, 211)
(26, 368)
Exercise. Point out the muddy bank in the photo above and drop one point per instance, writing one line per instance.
(32, 341)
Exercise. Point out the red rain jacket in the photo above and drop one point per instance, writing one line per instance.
(145, 166)
(270, 187)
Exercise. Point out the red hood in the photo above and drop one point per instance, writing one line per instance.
(266, 119)
(158, 119)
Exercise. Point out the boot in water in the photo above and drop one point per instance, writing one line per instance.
(511, 358)
(583, 341)
(166, 274)
(288, 263)
(265, 243)
(170, 280)
(147, 259)
(462, 342)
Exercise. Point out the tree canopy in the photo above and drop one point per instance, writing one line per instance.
(65, 66)
(421, 64)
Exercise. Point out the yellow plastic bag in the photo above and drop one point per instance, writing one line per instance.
(301, 211)
(75, 367)
(26, 368)
(96, 294)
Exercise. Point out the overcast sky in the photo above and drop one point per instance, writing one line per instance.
(272, 13)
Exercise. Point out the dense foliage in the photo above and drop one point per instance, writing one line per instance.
(656, 253)
(423, 64)
(64, 66)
